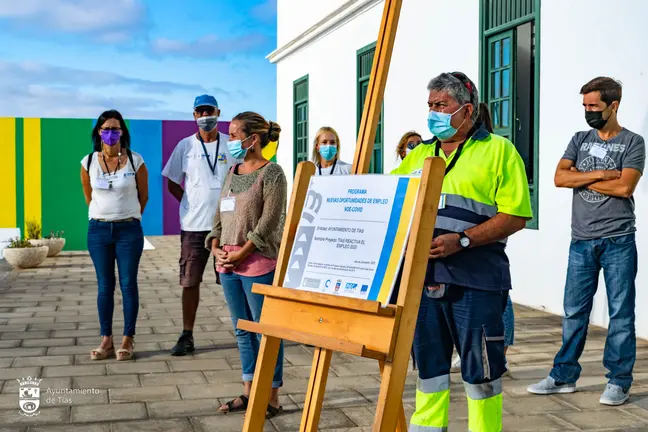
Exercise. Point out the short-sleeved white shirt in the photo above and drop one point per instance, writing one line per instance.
(341, 168)
(202, 189)
(120, 201)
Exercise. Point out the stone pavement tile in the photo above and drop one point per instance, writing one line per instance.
(183, 408)
(58, 342)
(57, 398)
(355, 369)
(11, 386)
(73, 349)
(14, 373)
(175, 378)
(527, 423)
(198, 365)
(298, 372)
(226, 376)
(43, 361)
(583, 400)
(126, 368)
(224, 391)
(47, 416)
(107, 412)
(25, 334)
(74, 371)
(360, 415)
(174, 425)
(15, 328)
(6, 362)
(31, 320)
(334, 399)
(86, 427)
(330, 418)
(602, 419)
(53, 326)
(144, 394)
(534, 405)
(8, 401)
(10, 343)
(105, 381)
(225, 423)
(76, 334)
(359, 382)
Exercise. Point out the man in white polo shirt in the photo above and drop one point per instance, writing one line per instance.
(202, 161)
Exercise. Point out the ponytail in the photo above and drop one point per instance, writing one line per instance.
(484, 117)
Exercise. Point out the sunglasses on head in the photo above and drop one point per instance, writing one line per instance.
(205, 110)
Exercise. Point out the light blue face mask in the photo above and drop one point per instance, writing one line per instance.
(327, 151)
(440, 124)
(236, 148)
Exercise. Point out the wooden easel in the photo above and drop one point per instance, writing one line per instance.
(361, 327)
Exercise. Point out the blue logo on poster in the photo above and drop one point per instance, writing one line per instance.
(327, 283)
(338, 285)
(350, 287)
(364, 288)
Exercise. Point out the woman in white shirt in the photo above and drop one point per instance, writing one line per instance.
(115, 185)
(326, 150)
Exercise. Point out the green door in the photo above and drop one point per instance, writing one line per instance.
(501, 88)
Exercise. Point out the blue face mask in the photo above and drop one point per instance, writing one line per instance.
(236, 148)
(328, 152)
(440, 124)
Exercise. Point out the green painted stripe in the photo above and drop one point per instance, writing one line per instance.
(64, 207)
(20, 175)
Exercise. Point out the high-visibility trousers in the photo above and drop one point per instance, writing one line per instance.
(470, 320)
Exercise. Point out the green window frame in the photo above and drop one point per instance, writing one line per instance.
(300, 121)
(509, 72)
(364, 63)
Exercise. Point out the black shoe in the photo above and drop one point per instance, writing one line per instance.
(184, 346)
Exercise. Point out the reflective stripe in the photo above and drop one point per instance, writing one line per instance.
(433, 385)
(419, 428)
(485, 415)
(431, 410)
(483, 391)
(457, 226)
(470, 204)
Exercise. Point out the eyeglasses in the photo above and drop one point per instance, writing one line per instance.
(205, 110)
(114, 129)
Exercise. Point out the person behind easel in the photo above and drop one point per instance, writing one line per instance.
(484, 200)
(246, 238)
(326, 153)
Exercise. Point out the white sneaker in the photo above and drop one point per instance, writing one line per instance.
(456, 364)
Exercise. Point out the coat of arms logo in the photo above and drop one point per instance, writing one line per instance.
(29, 396)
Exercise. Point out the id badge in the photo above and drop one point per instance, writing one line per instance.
(598, 151)
(442, 202)
(214, 182)
(102, 183)
(228, 204)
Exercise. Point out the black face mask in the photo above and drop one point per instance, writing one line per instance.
(595, 119)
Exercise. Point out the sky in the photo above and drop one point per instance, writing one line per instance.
(148, 59)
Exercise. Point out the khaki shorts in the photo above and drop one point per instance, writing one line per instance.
(193, 257)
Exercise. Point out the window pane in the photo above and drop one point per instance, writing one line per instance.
(506, 82)
(505, 113)
(495, 113)
(506, 52)
(496, 54)
(497, 93)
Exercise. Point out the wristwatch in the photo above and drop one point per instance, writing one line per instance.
(464, 240)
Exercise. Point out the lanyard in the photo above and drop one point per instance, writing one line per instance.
(211, 167)
(454, 160)
(332, 168)
(107, 167)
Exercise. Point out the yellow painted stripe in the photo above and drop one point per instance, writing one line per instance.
(32, 167)
(399, 240)
(8, 172)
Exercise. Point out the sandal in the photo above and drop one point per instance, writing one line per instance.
(231, 408)
(101, 353)
(273, 412)
(124, 354)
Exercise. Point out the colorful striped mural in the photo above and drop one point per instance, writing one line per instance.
(40, 173)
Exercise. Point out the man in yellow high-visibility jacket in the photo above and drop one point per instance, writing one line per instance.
(485, 199)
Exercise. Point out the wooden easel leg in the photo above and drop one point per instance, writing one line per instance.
(389, 412)
(401, 422)
(262, 384)
(316, 388)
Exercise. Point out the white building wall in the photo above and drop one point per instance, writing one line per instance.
(436, 36)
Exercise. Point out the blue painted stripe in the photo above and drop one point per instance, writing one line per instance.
(146, 139)
(392, 228)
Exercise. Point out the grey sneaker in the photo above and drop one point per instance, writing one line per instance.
(614, 395)
(548, 386)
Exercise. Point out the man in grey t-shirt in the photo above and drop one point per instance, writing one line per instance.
(602, 166)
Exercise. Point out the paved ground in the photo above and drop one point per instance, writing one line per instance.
(48, 325)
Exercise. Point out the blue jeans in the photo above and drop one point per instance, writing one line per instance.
(509, 323)
(617, 256)
(244, 304)
(122, 242)
(469, 319)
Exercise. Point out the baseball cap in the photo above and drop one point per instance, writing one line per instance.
(205, 100)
